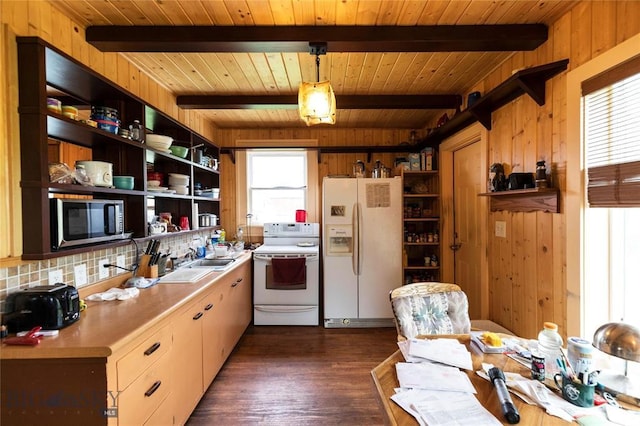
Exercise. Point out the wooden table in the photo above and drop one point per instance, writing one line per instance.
(385, 380)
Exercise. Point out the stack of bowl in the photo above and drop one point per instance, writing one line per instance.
(155, 177)
(107, 118)
(179, 183)
(159, 142)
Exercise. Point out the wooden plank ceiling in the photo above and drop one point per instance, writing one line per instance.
(353, 74)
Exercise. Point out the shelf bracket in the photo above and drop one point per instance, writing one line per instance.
(231, 153)
(534, 87)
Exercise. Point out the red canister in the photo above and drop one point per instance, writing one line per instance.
(301, 216)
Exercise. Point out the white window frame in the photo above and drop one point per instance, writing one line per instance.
(240, 184)
(576, 177)
(298, 153)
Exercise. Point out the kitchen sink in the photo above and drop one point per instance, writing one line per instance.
(215, 264)
(192, 271)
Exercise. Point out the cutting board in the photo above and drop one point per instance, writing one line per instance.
(187, 275)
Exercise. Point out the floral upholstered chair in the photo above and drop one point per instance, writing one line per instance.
(430, 308)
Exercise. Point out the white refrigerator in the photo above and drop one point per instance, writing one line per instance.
(362, 250)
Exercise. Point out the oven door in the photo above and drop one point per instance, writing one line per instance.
(265, 291)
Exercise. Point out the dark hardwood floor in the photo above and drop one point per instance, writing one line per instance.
(298, 376)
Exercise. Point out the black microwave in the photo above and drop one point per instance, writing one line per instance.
(76, 222)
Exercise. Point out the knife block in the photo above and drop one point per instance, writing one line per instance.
(144, 270)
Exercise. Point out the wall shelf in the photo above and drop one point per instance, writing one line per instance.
(46, 71)
(525, 200)
(530, 81)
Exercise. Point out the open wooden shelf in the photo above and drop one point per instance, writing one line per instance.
(530, 81)
(525, 200)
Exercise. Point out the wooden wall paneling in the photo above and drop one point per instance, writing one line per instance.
(95, 60)
(529, 307)
(561, 34)
(35, 16)
(10, 202)
(519, 280)
(122, 72)
(79, 48)
(500, 290)
(604, 36)
(627, 19)
(62, 28)
(17, 15)
(549, 302)
(581, 29)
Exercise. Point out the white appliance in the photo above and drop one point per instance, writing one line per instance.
(362, 263)
(287, 303)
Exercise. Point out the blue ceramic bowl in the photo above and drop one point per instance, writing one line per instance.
(123, 182)
(108, 126)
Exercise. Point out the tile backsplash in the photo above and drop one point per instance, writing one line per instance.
(35, 273)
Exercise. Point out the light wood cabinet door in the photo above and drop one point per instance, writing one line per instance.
(213, 354)
(237, 307)
(187, 361)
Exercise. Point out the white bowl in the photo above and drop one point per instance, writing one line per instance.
(153, 183)
(178, 181)
(180, 190)
(178, 175)
(159, 142)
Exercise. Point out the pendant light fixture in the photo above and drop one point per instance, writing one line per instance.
(316, 101)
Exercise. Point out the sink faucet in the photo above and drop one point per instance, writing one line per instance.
(191, 254)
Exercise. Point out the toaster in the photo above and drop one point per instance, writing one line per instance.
(51, 307)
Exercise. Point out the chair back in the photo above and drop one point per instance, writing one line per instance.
(430, 308)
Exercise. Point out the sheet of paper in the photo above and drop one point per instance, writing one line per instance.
(446, 351)
(433, 376)
(430, 407)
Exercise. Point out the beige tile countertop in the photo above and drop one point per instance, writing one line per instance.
(105, 327)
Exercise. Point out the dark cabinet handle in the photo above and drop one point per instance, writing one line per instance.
(198, 316)
(208, 307)
(238, 281)
(153, 388)
(152, 349)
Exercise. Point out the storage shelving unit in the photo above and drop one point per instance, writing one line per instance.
(421, 226)
(44, 72)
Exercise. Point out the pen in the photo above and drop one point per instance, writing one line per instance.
(566, 362)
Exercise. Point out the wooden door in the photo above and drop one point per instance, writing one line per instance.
(468, 224)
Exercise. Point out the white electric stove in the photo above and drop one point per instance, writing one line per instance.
(285, 304)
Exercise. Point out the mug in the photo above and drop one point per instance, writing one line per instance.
(184, 223)
(575, 391)
(301, 216)
(158, 228)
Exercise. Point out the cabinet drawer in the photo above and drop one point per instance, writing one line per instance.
(163, 416)
(144, 395)
(145, 354)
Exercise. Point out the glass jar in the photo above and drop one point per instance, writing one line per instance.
(135, 131)
(541, 170)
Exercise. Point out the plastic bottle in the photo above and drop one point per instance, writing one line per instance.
(550, 346)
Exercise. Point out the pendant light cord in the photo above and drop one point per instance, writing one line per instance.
(318, 67)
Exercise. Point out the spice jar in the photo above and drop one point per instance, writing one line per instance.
(135, 131)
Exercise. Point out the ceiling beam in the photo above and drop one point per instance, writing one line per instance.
(432, 38)
(342, 102)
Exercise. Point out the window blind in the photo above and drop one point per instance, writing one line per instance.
(612, 140)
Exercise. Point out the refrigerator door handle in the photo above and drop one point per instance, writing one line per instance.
(355, 231)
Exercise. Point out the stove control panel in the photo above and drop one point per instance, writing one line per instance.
(297, 229)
